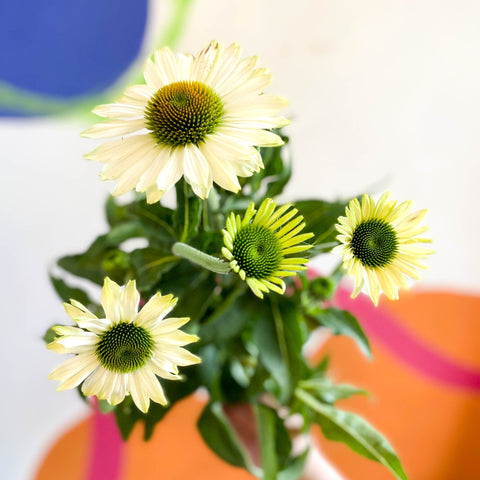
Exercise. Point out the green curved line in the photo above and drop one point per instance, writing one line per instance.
(26, 101)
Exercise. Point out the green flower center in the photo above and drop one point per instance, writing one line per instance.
(183, 113)
(374, 243)
(257, 251)
(124, 348)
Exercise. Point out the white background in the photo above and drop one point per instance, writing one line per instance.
(384, 95)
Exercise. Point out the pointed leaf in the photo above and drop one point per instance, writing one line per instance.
(266, 422)
(66, 292)
(321, 218)
(327, 391)
(354, 431)
(341, 322)
(220, 436)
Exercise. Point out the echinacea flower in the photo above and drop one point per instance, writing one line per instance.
(380, 245)
(200, 117)
(258, 245)
(124, 352)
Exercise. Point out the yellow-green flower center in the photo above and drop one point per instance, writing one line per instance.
(183, 113)
(124, 348)
(374, 243)
(257, 251)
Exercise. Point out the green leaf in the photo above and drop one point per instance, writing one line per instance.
(155, 219)
(105, 407)
(275, 442)
(354, 431)
(227, 320)
(125, 231)
(89, 264)
(277, 170)
(192, 285)
(210, 370)
(321, 218)
(266, 339)
(66, 292)
(127, 415)
(328, 392)
(50, 335)
(341, 322)
(279, 340)
(288, 324)
(239, 373)
(220, 436)
(150, 264)
(266, 422)
(294, 468)
(114, 212)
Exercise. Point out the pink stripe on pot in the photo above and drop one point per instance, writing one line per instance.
(388, 331)
(106, 449)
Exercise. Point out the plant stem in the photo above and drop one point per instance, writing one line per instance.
(206, 225)
(186, 215)
(322, 248)
(277, 316)
(229, 299)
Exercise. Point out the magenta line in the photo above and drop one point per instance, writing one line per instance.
(106, 448)
(386, 329)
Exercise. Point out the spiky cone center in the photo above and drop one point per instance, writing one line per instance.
(374, 242)
(183, 113)
(257, 251)
(124, 348)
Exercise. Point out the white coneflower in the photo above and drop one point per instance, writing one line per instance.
(380, 244)
(124, 352)
(200, 117)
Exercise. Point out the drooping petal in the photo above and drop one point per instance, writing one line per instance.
(197, 171)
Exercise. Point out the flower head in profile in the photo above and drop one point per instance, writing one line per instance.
(258, 245)
(380, 245)
(200, 117)
(124, 352)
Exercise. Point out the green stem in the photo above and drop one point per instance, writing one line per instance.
(158, 221)
(213, 264)
(338, 273)
(325, 234)
(229, 299)
(206, 225)
(326, 245)
(277, 316)
(186, 210)
(319, 248)
(160, 261)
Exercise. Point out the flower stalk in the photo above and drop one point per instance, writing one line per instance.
(200, 258)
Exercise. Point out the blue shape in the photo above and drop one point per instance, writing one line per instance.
(67, 48)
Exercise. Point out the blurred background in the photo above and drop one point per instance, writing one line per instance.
(384, 95)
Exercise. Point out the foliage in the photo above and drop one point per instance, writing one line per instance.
(251, 349)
